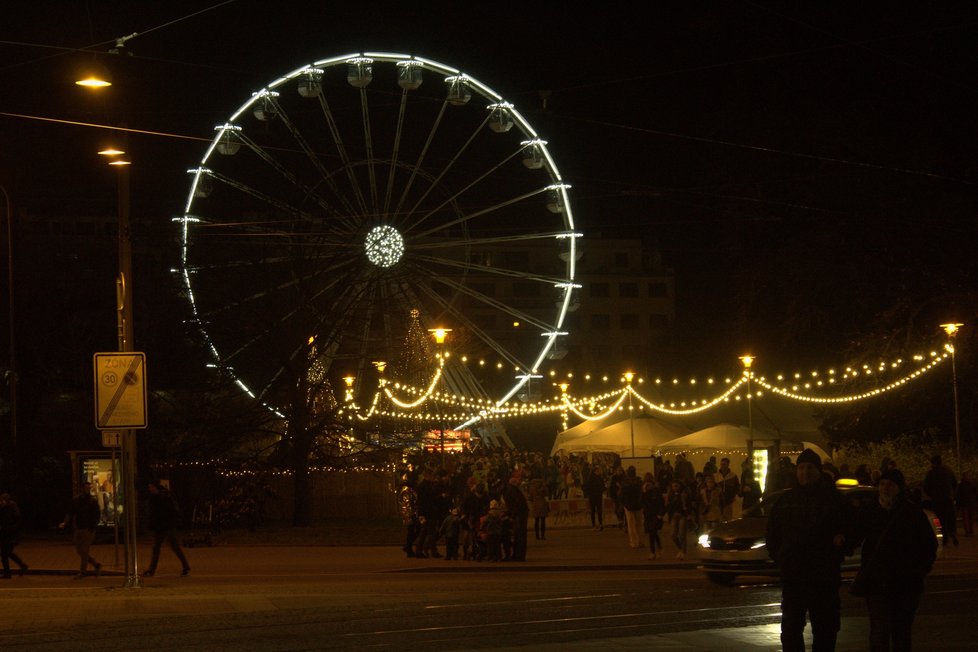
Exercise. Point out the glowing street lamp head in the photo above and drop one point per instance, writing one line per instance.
(951, 328)
(748, 360)
(629, 376)
(381, 365)
(439, 334)
(348, 380)
(93, 75)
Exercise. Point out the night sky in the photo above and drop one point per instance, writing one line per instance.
(807, 171)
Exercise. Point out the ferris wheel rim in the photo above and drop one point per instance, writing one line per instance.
(557, 186)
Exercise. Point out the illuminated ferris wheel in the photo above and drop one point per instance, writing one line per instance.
(349, 192)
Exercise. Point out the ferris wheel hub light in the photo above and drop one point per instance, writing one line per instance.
(384, 246)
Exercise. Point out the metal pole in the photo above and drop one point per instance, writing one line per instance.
(12, 378)
(631, 420)
(957, 415)
(124, 295)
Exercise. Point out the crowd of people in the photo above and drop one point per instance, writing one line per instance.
(479, 503)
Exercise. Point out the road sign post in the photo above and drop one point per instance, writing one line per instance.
(120, 407)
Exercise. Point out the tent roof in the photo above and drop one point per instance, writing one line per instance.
(648, 433)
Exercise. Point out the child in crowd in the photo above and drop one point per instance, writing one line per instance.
(451, 529)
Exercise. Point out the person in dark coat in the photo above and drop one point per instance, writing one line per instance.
(653, 510)
(407, 502)
(899, 549)
(164, 517)
(518, 510)
(83, 516)
(808, 535)
(10, 521)
(940, 486)
(594, 492)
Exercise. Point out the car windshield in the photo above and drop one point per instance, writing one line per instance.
(859, 497)
(763, 508)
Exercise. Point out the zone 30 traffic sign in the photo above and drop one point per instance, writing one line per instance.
(120, 390)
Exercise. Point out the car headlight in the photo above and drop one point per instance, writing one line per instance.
(760, 543)
(704, 541)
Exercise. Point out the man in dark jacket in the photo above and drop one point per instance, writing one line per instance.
(164, 516)
(83, 516)
(519, 511)
(594, 492)
(808, 535)
(898, 552)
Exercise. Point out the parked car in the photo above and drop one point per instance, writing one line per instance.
(738, 547)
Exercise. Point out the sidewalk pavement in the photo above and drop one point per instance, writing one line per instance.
(565, 548)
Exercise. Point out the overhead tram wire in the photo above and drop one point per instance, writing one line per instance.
(773, 150)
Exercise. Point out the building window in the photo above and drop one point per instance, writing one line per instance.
(601, 322)
(628, 289)
(488, 289)
(516, 259)
(599, 290)
(526, 289)
(658, 321)
(630, 322)
(482, 258)
(658, 290)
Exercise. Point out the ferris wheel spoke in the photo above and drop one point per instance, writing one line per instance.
(395, 151)
(344, 155)
(472, 216)
(444, 171)
(317, 163)
(369, 144)
(468, 242)
(497, 271)
(292, 282)
(421, 157)
(287, 174)
(485, 175)
(451, 282)
(258, 194)
(462, 319)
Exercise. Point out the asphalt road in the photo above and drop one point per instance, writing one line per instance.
(580, 589)
(545, 609)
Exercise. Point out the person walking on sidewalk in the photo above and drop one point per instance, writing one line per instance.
(631, 500)
(83, 516)
(899, 549)
(164, 516)
(9, 534)
(808, 535)
(653, 509)
(594, 492)
(678, 510)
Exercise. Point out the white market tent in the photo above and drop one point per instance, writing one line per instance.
(730, 437)
(649, 433)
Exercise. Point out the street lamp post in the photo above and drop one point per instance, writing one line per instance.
(440, 334)
(747, 361)
(124, 332)
(12, 373)
(124, 293)
(631, 424)
(952, 329)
